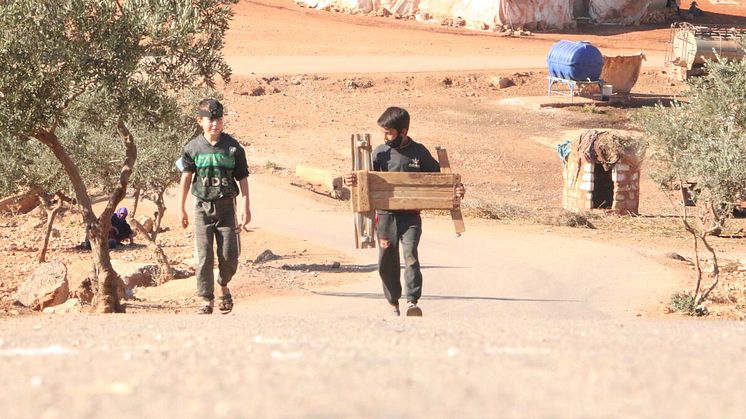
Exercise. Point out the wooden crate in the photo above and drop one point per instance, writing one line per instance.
(405, 191)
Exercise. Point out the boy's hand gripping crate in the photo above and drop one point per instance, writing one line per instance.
(399, 191)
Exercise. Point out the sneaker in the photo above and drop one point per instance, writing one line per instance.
(395, 310)
(413, 310)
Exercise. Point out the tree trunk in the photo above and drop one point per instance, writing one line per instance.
(159, 216)
(46, 203)
(165, 273)
(108, 300)
(138, 191)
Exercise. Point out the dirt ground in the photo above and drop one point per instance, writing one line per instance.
(505, 153)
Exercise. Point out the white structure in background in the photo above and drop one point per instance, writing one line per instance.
(481, 14)
(624, 12)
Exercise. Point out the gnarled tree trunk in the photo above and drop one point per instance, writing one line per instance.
(98, 227)
(52, 212)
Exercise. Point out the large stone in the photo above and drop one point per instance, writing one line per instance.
(135, 274)
(46, 287)
(147, 223)
(70, 306)
(21, 203)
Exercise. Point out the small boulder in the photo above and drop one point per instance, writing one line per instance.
(84, 292)
(147, 223)
(501, 82)
(72, 305)
(136, 274)
(266, 256)
(46, 287)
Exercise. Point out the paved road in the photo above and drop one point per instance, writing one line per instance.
(516, 325)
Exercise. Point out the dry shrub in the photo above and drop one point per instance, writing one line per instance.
(559, 217)
(478, 208)
(562, 218)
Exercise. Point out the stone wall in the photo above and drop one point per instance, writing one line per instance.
(578, 187)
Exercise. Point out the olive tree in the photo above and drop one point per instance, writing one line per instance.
(702, 142)
(127, 57)
(29, 167)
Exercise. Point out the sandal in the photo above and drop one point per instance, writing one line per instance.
(205, 309)
(226, 304)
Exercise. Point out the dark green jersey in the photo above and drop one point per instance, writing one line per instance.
(216, 167)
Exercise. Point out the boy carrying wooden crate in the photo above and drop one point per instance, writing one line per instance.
(400, 153)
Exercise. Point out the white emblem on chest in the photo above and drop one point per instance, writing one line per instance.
(414, 163)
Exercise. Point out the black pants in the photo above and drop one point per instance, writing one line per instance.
(404, 227)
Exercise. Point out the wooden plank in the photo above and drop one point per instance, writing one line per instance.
(456, 216)
(410, 179)
(362, 200)
(445, 164)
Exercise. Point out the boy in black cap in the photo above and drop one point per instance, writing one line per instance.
(214, 166)
(399, 153)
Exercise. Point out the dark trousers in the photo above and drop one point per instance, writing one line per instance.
(215, 221)
(404, 228)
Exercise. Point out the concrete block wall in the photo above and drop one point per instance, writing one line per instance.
(577, 191)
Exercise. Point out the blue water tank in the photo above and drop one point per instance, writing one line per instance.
(575, 61)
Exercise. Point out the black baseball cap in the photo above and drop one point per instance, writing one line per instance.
(210, 108)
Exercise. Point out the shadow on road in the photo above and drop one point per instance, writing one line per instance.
(376, 296)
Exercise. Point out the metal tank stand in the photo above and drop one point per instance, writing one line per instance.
(571, 85)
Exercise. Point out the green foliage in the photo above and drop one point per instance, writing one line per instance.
(76, 68)
(28, 164)
(592, 109)
(703, 140)
(683, 302)
(133, 54)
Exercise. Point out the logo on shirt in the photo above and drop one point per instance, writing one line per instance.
(231, 151)
(414, 163)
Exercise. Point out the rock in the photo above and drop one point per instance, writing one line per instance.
(675, 256)
(46, 287)
(72, 305)
(384, 12)
(501, 82)
(459, 22)
(135, 274)
(257, 91)
(505, 82)
(84, 292)
(21, 203)
(266, 256)
(447, 81)
(147, 223)
(296, 80)
(358, 84)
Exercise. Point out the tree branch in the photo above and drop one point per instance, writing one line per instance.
(124, 175)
